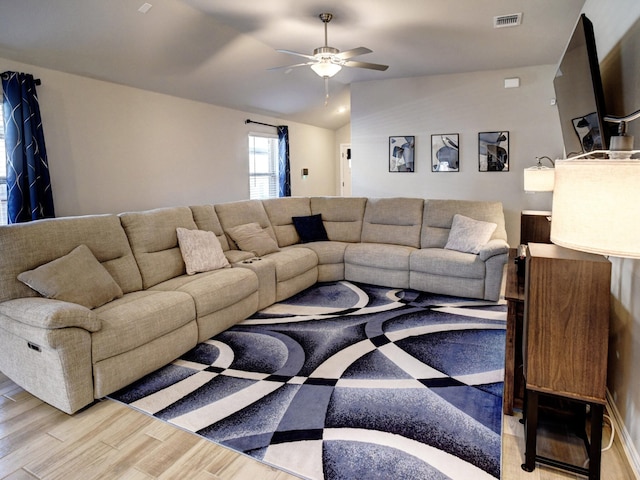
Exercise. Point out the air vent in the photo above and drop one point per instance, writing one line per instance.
(512, 20)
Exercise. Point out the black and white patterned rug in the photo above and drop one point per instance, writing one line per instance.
(347, 381)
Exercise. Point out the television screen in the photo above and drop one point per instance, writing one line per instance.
(579, 94)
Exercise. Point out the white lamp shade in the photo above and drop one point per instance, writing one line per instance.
(596, 206)
(539, 179)
(325, 68)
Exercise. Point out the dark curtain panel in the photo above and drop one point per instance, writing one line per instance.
(29, 195)
(283, 159)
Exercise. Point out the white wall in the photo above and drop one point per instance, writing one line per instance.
(465, 104)
(113, 148)
(343, 136)
(617, 30)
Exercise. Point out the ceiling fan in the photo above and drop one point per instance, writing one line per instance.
(326, 61)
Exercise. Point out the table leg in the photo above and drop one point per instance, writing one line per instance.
(595, 445)
(531, 430)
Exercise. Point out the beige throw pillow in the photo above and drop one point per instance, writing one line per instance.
(77, 277)
(201, 250)
(469, 235)
(252, 238)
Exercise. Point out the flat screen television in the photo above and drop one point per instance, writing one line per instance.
(579, 94)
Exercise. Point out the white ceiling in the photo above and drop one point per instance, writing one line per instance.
(218, 51)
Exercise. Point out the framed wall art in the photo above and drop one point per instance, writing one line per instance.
(402, 154)
(445, 152)
(493, 151)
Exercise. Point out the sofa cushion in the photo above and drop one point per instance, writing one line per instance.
(251, 237)
(447, 263)
(77, 277)
(379, 255)
(310, 228)
(393, 221)
(26, 246)
(342, 216)
(206, 218)
(154, 241)
(280, 212)
(469, 235)
(438, 218)
(138, 318)
(215, 290)
(293, 261)
(327, 252)
(201, 251)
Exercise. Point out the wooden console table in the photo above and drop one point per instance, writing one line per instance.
(566, 326)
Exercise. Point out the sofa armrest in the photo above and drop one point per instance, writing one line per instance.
(493, 248)
(50, 314)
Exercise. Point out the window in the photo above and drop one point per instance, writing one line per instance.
(3, 174)
(263, 166)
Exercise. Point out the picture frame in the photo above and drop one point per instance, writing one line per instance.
(445, 152)
(402, 151)
(493, 151)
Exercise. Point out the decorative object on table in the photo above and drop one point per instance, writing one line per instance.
(493, 151)
(347, 380)
(596, 201)
(539, 178)
(445, 152)
(402, 154)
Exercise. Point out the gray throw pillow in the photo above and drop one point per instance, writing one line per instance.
(251, 237)
(469, 235)
(77, 277)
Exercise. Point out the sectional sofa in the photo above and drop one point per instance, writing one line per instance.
(89, 304)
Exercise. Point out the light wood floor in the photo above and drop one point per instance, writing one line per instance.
(111, 441)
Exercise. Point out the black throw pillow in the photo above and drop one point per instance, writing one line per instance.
(310, 228)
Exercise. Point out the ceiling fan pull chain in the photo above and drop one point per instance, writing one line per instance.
(326, 91)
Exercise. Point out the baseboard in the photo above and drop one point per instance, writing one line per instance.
(625, 439)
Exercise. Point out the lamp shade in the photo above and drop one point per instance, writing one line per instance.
(325, 68)
(539, 179)
(596, 206)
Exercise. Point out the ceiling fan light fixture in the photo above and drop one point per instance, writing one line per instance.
(326, 68)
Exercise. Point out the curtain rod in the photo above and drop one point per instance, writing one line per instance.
(37, 81)
(260, 123)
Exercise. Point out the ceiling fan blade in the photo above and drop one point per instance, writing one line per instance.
(354, 52)
(283, 67)
(291, 52)
(370, 66)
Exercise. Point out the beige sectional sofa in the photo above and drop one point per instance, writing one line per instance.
(73, 336)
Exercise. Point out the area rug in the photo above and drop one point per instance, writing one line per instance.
(347, 381)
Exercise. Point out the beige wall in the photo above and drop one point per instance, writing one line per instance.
(465, 104)
(617, 29)
(113, 148)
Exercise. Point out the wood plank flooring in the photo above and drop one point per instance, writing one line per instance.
(112, 441)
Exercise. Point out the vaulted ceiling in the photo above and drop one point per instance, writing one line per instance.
(219, 51)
